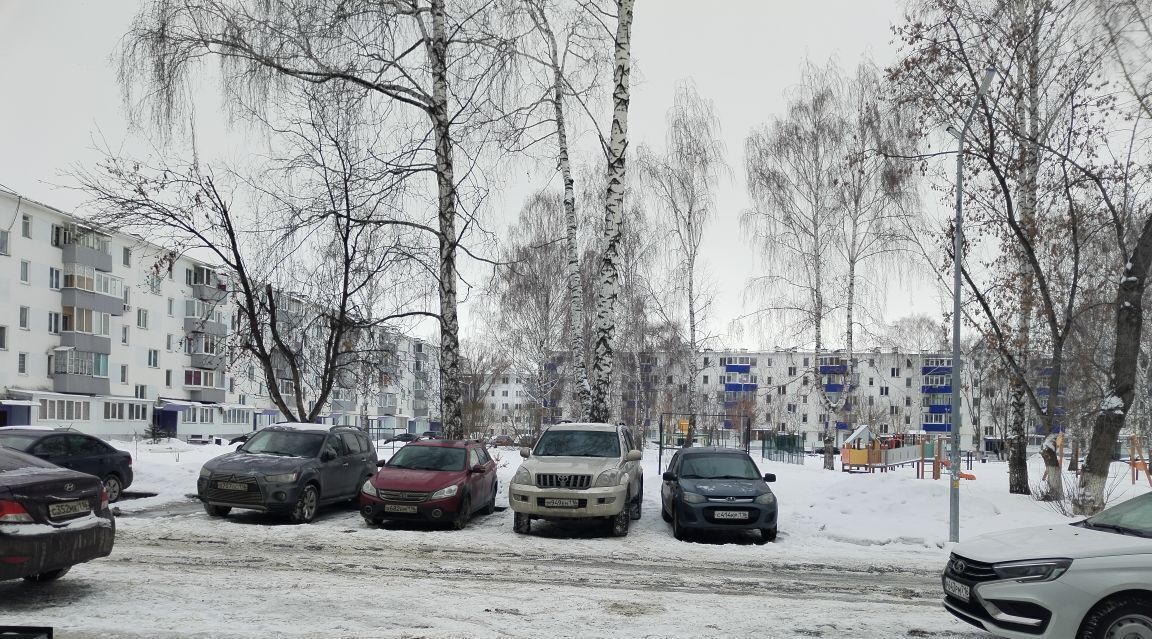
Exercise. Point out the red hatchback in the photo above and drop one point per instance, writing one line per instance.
(432, 480)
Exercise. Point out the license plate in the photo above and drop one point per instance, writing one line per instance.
(396, 508)
(231, 485)
(730, 514)
(956, 589)
(561, 503)
(67, 508)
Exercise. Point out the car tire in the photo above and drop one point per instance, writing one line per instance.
(635, 506)
(114, 487)
(521, 523)
(766, 535)
(48, 575)
(678, 531)
(490, 507)
(620, 522)
(664, 514)
(1112, 617)
(463, 514)
(217, 511)
(372, 521)
(306, 505)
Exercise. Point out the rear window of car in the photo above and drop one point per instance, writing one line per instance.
(12, 460)
(718, 467)
(284, 442)
(19, 442)
(578, 443)
(429, 458)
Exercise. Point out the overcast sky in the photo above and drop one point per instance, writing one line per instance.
(59, 91)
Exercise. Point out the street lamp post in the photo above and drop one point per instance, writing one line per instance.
(957, 248)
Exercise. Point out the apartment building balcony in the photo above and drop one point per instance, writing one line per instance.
(207, 395)
(97, 302)
(86, 342)
(344, 405)
(207, 326)
(88, 256)
(80, 384)
(209, 361)
(387, 409)
(834, 369)
(420, 412)
(939, 409)
(209, 293)
(420, 394)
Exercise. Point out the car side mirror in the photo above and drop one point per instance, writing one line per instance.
(478, 468)
(769, 477)
(327, 456)
(525, 452)
(381, 463)
(633, 455)
(669, 476)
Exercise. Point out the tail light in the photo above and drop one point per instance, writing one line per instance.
(129, 460)
(11, 512)
(103, 499)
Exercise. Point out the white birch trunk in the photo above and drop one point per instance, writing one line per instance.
(609, 284)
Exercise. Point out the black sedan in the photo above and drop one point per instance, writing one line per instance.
(77, 451)
(402, 437)
(51, 518)
(717, 489)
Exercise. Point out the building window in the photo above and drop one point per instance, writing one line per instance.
(141, 318)
(3, 242)
(153, 358)
(127, 256)
(141, 390)
(3, 338)
(805, 362)
(504, 393)
(168, 378)
(705, 379)
(895, 372)
(907, 401)
(908, 382)
(123, 334)
(781, 390)
(871, 381)
(171, 306)
(26, 226)
(24, 317)
(791, 371)
(168, 342)
(53, 278)
(25, 269)
(893, 410)
(22, 363)
(883, 390)
(53, 322)
(123, 373)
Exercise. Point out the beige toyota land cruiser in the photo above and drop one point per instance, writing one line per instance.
(579, 471)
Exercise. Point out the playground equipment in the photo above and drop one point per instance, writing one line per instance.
(1137, 460)
(862, 451)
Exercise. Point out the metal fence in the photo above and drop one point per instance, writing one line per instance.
(784, 456)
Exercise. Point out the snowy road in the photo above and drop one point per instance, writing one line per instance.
(175, 573)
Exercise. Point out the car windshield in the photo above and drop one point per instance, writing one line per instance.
(1132, 517)
(718, 467)
(428, 458)
(289, 443)
(578, 443)
(19, 442)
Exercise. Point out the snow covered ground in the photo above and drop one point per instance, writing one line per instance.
(858, 555)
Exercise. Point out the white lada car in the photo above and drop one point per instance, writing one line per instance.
(579, 471)
(1088, 580)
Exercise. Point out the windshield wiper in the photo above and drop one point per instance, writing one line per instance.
(692, 477)
(1123, 530)
(732, 477)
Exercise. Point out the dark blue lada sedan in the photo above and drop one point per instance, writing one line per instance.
(717, 489)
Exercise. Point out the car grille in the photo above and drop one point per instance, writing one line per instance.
(969, 569)
(251, 495)
(397, 495)
(546, 480)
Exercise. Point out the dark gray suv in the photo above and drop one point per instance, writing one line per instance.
(289, 468)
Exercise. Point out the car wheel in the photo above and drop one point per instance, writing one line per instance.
(114, 487)
(490, 507)
(678, 531)
(620, 522)
(522, 523)
(305, 509)
(664, 514)
(769, 534)
(1128, 617)
(465, 512)
(217, 511)
(636, 505)
(372, 521)
(49, 575)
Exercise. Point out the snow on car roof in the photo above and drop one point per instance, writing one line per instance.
(583, 426)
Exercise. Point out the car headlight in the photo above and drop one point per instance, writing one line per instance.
(608, 478)
(522, 476)
(1037, 570)
(282, 478)
(765, 499)
(368, 488)
(450, 491)
(204, 472)
(693, 498)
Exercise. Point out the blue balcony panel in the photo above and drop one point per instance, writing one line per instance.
(932, 390)
(835, 369)
(833, 388)
(737, 368)
(728, 423)
(935, 370)
(937, 428)
(1056, 428)
(733, 388)
(841, 425)
(749, 388)
(939, 409)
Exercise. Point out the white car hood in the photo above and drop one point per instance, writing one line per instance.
(571, 465)
(1040, 542)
